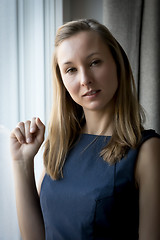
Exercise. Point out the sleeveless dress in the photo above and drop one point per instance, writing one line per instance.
(94, 200)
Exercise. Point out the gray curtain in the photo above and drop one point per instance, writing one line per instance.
(136, 25)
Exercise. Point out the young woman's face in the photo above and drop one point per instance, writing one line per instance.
(88, 71)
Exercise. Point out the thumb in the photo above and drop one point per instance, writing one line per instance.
(41, 128)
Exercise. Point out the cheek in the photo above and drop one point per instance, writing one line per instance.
(71, 87)
(113, 86)
(111, 78)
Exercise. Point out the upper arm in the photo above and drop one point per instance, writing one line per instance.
(40, 181)
(148, 178)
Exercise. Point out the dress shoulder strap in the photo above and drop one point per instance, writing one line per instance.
(147, 134)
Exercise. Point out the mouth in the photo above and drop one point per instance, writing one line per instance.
(91, 93)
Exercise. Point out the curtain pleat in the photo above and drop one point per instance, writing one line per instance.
(149, 86)
(27, 30)
(135, 24)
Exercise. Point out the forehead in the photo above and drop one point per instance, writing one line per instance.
(82, 43)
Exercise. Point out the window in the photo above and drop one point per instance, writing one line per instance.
(27, 30)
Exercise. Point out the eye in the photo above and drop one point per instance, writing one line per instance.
(71, 70)
(95, 62)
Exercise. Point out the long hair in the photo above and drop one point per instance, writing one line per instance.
(67, 117)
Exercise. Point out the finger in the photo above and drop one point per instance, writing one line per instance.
(33, 126)
(39, 123)
(28, 135)
(18, 135)
(41, 128)
(22, 127)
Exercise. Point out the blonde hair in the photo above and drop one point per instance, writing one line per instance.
(67, 117)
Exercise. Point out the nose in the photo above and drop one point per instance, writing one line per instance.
(85, 77)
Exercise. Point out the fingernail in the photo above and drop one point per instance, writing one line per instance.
(29, 140)
(32, 129)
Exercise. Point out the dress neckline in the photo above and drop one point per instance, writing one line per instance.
(94, 135)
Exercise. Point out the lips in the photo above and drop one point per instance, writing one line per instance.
(91, 92)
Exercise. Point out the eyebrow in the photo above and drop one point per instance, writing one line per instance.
(89, 56)
(92, 54)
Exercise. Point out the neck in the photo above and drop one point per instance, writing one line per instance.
(98, 123)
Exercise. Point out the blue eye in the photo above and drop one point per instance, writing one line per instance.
(95, 62)
(71, 70)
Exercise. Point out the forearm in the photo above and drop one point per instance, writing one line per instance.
(27, 201)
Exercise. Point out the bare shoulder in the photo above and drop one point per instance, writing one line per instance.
(147, 174)
(40, 181)
(148, 158)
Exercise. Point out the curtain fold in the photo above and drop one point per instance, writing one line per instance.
(26, 45)
(136, 25)
(149, 85)
(27, 30)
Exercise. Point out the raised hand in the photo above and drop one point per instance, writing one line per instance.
(26, 139)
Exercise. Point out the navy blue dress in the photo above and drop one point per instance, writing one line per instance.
(94, 201)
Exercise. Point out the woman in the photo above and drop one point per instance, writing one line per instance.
(101, 177)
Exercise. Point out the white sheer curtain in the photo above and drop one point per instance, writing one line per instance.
(27, 29)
